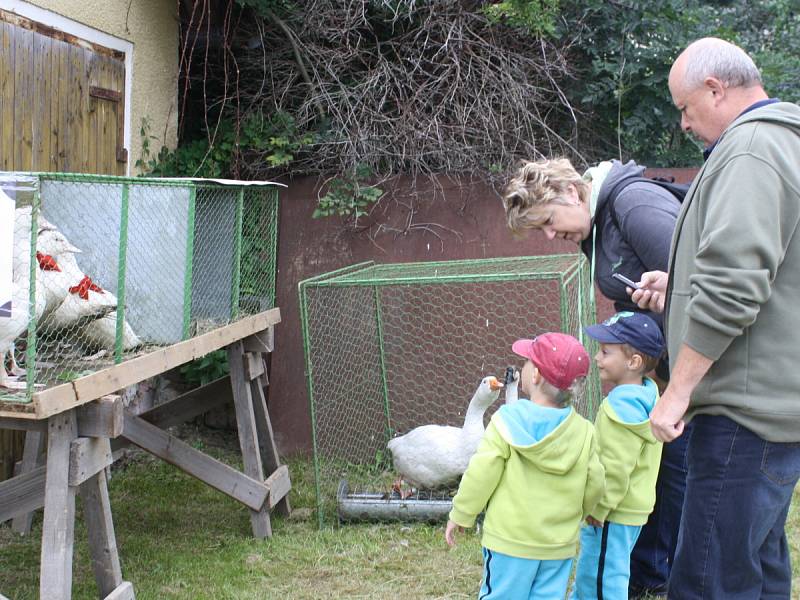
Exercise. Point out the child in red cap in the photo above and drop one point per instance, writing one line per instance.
(537, 474)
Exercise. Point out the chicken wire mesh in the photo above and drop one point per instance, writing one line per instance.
(103, 268)
(389, 347)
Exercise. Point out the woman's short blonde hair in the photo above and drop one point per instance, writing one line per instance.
(536, 184)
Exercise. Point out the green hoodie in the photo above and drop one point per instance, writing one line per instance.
(537, 470)
(735, 274)
(629, 453)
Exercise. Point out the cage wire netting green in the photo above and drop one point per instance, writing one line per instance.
(389, 347)
(105, 268)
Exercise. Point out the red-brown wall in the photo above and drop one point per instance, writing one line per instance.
(452, 220)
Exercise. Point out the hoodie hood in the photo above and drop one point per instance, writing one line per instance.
(618, 172)
(781, 113)
(630, 406)
(552, 438)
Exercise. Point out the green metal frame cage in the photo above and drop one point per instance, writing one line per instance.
(389, 347)
(171, 259)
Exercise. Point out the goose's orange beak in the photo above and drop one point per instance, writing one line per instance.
(494, 384)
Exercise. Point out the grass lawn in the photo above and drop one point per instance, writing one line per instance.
(180, 539)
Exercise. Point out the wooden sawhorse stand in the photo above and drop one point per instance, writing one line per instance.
(80, 419)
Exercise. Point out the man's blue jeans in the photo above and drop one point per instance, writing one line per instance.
(655, 551)
(732, 544)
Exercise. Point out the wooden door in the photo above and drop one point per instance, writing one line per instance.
(62, 101)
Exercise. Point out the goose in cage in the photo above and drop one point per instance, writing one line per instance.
(433, 456)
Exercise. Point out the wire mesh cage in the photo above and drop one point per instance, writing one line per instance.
(390, 347)
(103, 268)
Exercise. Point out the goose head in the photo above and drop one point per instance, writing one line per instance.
(487, 392)
(54, 243)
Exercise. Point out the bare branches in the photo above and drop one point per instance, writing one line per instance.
(412, 87)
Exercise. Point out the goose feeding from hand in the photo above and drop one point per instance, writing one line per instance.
(432, 456)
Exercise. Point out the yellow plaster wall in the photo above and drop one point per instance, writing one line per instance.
(152, 27)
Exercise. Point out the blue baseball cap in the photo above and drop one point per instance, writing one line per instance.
(632, 328)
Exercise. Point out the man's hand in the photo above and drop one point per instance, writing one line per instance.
(652, 291)
(666, 419)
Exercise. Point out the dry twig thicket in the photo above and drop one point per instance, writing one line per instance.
(400, 86)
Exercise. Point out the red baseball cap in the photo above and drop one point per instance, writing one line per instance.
(559, 357)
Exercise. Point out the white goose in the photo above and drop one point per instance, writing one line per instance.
(433, 456)
(50, 287)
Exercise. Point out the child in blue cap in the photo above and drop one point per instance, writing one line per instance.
(630, 346)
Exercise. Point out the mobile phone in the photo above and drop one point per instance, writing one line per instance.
(625, 280)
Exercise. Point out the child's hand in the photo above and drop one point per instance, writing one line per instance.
(450, 533)
(594, 522)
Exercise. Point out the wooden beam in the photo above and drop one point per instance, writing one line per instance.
(107, 381)
(279, 485)
(248, 434)
(101, 419)
(87, 457)
(22, 494)
(100, 528)
(58, 526)
(95, 419)
(248, 491)
(263, 341)
(123, 592)
(266, 439)
(185, 407)
(22, 424)
(32, 457)
(253, 365)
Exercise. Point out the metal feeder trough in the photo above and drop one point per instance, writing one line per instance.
(387, 506)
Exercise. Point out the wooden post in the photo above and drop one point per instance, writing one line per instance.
(266, 440)
(31, 458)
(58, 528)
(100, 527)
(248, 434)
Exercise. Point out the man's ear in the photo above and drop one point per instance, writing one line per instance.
(716, 87)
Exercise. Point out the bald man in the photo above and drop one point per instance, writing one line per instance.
(732, 324)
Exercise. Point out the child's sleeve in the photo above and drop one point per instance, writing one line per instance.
(619, 451)
(595, 481)
(481, 478)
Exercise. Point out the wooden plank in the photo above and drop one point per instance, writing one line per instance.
(22, 494)
(123, 592)
(104, 93)
(58, 528)
(100, 529)
(88, 456)
(266, 439)
(23, 99)
(263, 341)
(279, 485)
(28, 424)
(185, 407)
(103, 418)
(64, 111)
(55, 77)
(107, 381)
(6, 97)
(253, 365)
(248, 491)
(42, 89)
(32, 458)
(118, 83)
(248, 436)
